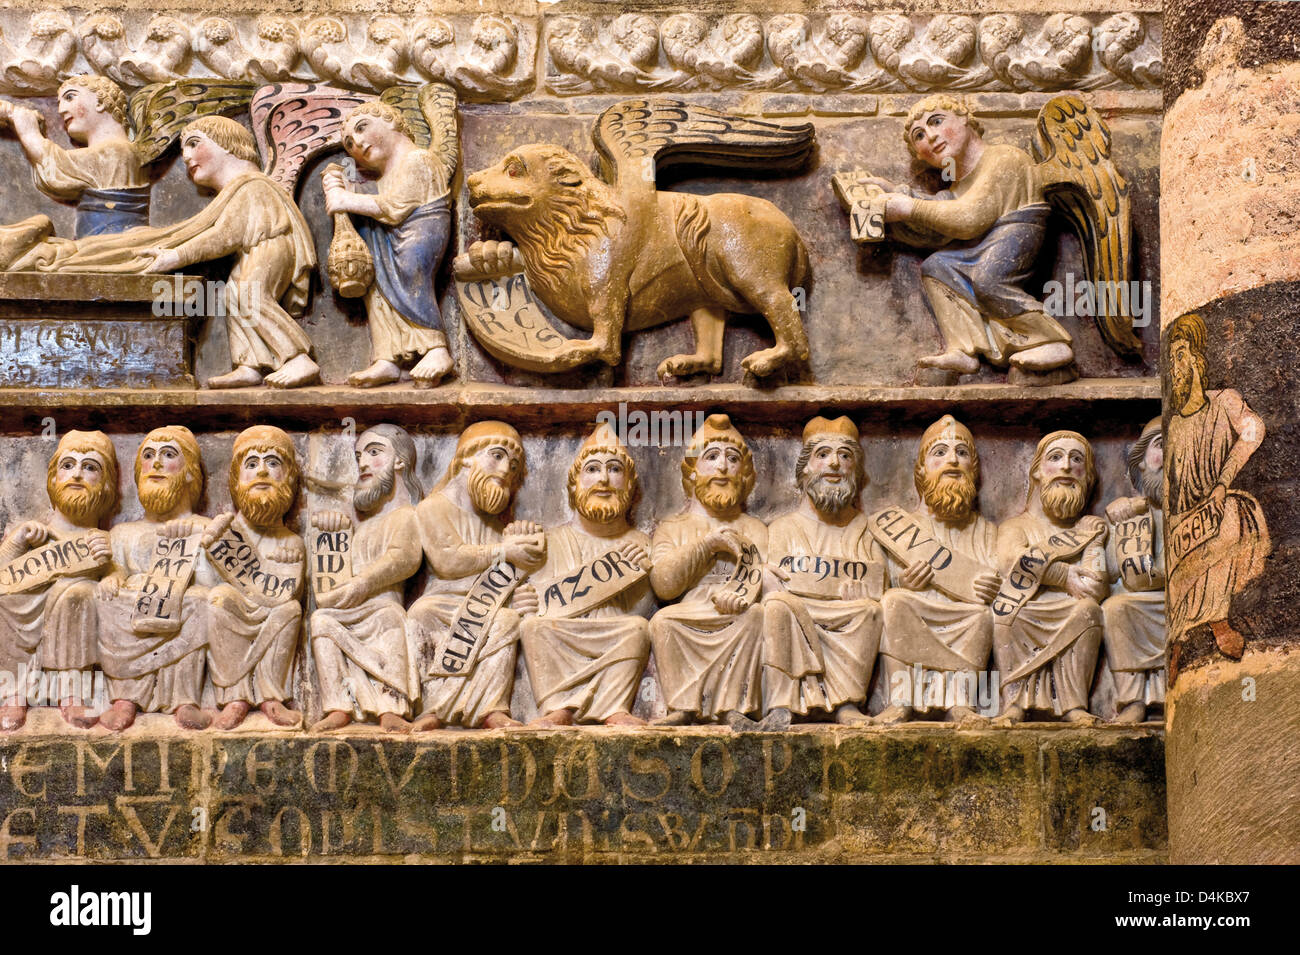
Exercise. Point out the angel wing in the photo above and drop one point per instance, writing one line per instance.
(649, 134)
(430, 111)
(1082, 183)
(295, 122)
(161, 110)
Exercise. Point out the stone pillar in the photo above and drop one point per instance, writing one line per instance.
(1230, 286)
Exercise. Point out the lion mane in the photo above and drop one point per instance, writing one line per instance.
(572, 207)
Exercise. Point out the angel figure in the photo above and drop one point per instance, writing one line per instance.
(405, 226)
(989, 226)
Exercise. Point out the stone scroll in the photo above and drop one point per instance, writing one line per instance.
(954, 572)
(41, 565)
(591, 585)
(161, 595)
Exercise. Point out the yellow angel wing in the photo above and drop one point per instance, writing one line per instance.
(430, 111)
(636, 138)
(161, 110)
(1081, 182)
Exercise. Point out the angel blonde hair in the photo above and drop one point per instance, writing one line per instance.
(227, 134)
(388, 113)
(938, 101)
(111, 98)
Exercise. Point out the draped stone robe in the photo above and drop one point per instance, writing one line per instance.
(829, 663)
(592, 663)
(363, 660)
(1135, 624)
(709, 663)
(928, 628)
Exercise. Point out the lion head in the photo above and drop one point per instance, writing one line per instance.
(548, 202)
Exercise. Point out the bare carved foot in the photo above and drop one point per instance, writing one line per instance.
(296, 372)
(1080, 717)
(392, 723)
(776, 720)
(499, 720)
(1133, 713)
(74, 714)
(433, 367)
(190, 717)
(231, 715)
(119, 716)
(244, 376)
(279, 714)
(382, 372)
(898, 713)
(333, 720)
(957, 361)
(1010, 716)
(560, 717)
(740, 723)
(848, 714)
(429, 721)
(624, 719)
(674, 718)
(12, 717)
(967, 718)
(765, 362)
(1043, 357)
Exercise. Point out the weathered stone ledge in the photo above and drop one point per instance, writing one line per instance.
(918, 793)
(457, 405)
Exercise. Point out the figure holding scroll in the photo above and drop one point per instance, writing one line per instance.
(153, 622)
(465, 637)
(1047, 614)
(103, 175)
(585, 657)
(822, 622)
(255, 612)
(708, 646)
(1135, 560)
(48, 570)
(359, 629)
(1218, 538)
(405, 225)
(938, 620)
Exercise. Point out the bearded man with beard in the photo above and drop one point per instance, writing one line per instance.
(359, 629)
(924, 626)
(464, 532)
(147, 669)
(253, 633)
(708, 646)
(586, 668)
(1212, 436)
(1056, 634)
(53, 628)
(821, 633)
(1135, 560)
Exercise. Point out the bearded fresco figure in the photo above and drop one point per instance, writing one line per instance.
(1135, 561)
(586, 667)
(255, 612)
(359, 629)
(1212, 435)
(822, 627)
(924, 626)
(708, 646)
(103, 175)
(465, 532)
(149, 668)
(1046, 651)
(52, 627)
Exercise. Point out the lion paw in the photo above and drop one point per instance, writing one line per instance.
(682, 365)
(763, 363)
(488, 258)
